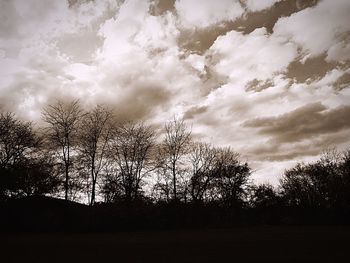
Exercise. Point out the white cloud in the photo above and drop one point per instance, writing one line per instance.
(258, 5)
(257, 55)
(194, 13)
(117, 53)
(319, 29)
(339, 51)
(197, 62)
(138, 59)
(33, 66)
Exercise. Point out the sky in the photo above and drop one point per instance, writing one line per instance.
(269, 78)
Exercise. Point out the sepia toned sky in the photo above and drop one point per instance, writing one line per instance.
(271, 78)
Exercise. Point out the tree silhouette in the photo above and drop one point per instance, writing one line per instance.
(232, 177)
(264, 196)
(161, 190)
(24, 169)
(32, 176)
(323, 184)
(95, 132)
(126, 164)
(203, 159)
(131, 150)
(112, 188)
(175, 145)
(61, 132)
(16, 139)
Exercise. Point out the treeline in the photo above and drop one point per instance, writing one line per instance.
(91, 156)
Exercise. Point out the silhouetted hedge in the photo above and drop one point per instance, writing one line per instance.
(38, 213)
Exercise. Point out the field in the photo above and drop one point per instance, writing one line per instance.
(243, 244)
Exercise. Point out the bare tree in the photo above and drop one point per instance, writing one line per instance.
(174, 147)
(96, 131)
(163, 182)
(16, 137)
(203, 158)
(112, 188)
(132, 151)
(62, 123)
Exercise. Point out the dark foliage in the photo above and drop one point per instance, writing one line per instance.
(324, 184)
(24, 170)
(30, 177)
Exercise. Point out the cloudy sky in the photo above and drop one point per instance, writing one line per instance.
(271, 78)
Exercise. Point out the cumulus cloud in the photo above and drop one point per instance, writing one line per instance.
(248, 74)
(254, 56)
(258, 5)
(323, 28)
(193, 14)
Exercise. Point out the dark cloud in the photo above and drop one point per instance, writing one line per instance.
(272, 151)
(342, 83)
(9, 18)
(303, 123)
(189, 114)
(258, 85)
(141, 102)
(71, 3)
(211, 80)
(74, 3)
(159, 7)
(199, 40)
(312, 69)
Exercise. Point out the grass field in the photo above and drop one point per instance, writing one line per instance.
(244, 244)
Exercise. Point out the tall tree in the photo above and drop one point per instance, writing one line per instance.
(232, 177)
(62, 125)
(203, 157)
(163, 181)
(96, 131)
(175, 146)
(132, 151)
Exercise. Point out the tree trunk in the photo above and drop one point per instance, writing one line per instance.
(93, 189)
(67, 163)
(66, 182)
(174, 181)
(93, 180)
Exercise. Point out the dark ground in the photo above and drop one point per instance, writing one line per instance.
(241, 244)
